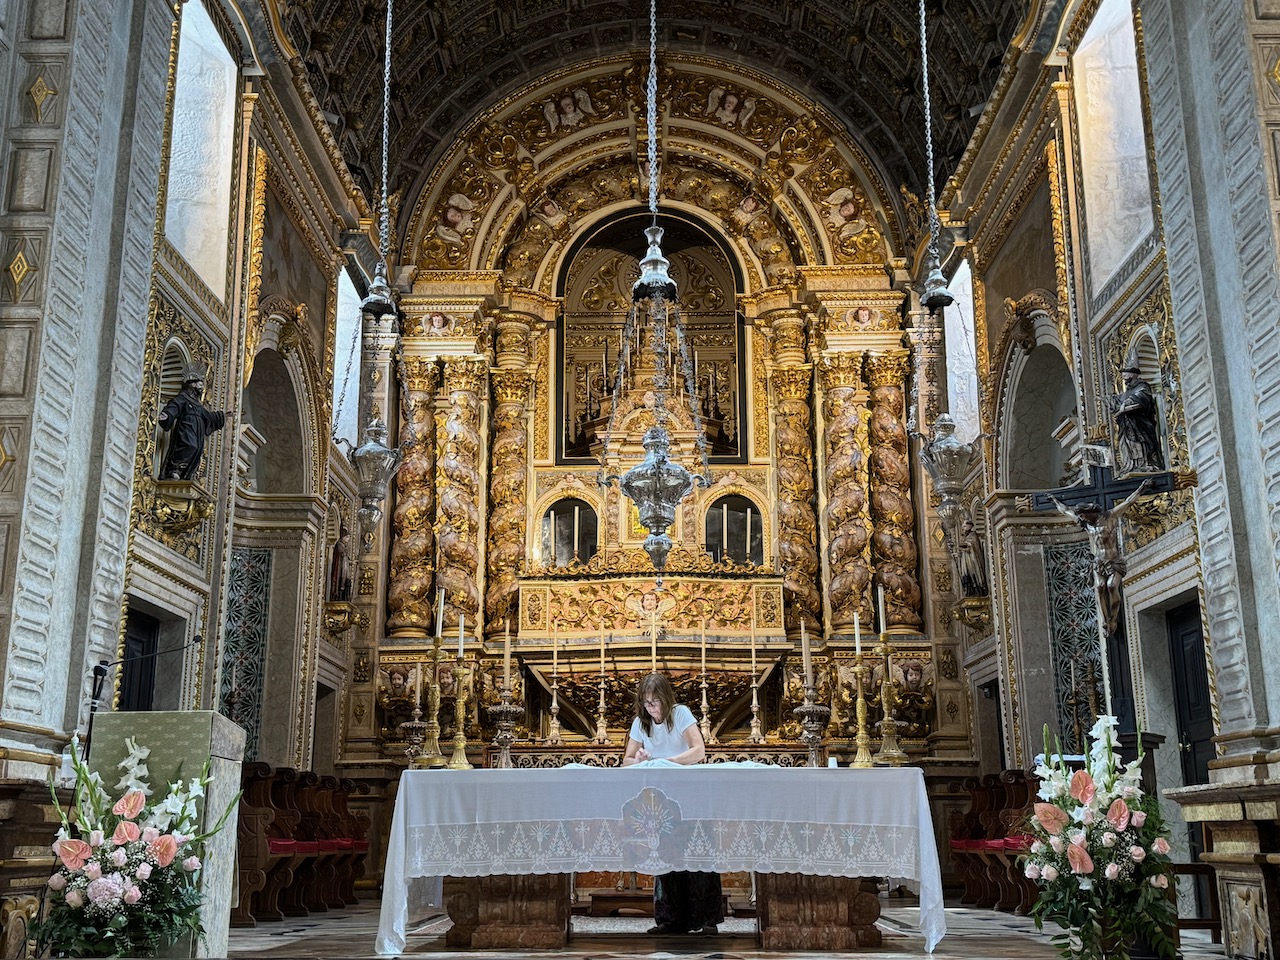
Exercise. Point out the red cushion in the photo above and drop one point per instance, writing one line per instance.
(967, 844)
(329, 846)
(991, 844)
(279, 845)
(360, 846)
(308, 846)
(1019, 842)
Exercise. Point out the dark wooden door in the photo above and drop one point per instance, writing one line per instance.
(138, 671)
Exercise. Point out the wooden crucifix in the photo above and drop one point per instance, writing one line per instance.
(1098, 507)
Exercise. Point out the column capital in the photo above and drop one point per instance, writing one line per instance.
(888, 369)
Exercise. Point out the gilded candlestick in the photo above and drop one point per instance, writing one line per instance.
(459, 759)
(705, 723)
(863, 736)
(756, 735)
(553, 729)
(414, 732)
(602, 726)
(890, 753)
(813, 718)
(430, 754)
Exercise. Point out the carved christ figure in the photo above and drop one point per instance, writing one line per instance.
(1103, 527)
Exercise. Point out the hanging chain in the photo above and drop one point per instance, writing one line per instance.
(384, 225)
(934, 225)
(652, 92)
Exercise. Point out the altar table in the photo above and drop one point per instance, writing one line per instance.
(715, 817)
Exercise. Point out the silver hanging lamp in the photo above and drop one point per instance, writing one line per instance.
(656, 485)
(375, 462)
(936, 296)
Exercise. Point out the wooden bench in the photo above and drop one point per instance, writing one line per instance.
(988, 839)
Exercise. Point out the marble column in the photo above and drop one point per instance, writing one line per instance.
(413, 561)
(508, 468)
(793, 460)
(893, 546)
(458, 482)
(846, 523)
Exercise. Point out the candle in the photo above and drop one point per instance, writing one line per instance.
(462, 626)
(440, 613)
(753, 646)
(857, 635)
(554, 627)
(602, 646)
(884, 621)
(724, 531)
(695, 370)
(804, 650)
(417, 683)
(506, 656)
(653, 641)
(704, 646)
(748, 557)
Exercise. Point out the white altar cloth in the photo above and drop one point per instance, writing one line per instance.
(715, 817)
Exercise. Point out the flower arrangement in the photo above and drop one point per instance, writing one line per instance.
(127, 883)
(1100, 854)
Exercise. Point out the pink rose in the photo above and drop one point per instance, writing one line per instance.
(1139, 818)
(93, 870)
(191, 864)
(149, 834)
(119, 856)
(1032, 872)
(130, 805)
(1160, 881)
(75, 899)
(1113, 871)
(1050, 873)
(1108, 839)
(96, 838)
(1137, 853)
(72, 853)
(58, 882)
(1161, 846)
(126, 832)
(164, 849)
(144, 871)
(1089, 816)
(132, 895)
(1056, 843)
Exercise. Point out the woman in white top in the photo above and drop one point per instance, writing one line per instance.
(683, 901)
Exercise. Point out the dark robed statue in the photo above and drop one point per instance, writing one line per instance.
(188, 423)
(1136, 417)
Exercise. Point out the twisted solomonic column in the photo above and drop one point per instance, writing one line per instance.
(797, 526)
(504, 551)
(847, 525)
(458, 483)
(413, 539)
(893, 546)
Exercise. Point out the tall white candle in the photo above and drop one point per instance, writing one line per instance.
(462, 627)
(554, 627)
(575, 530)
(884, 621)
(724, 531)
(653, 641)
(704, 646)
(506, 656)
(440, 613)
(805, 654)
(602, 646)
(753, 646)
(748, 534)
(417, 683)
(857, 635)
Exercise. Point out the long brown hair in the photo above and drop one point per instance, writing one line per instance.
(656, 687)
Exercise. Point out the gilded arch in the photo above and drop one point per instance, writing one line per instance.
(776, 173)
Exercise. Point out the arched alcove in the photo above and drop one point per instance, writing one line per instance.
(271, 408)
(1043, 397)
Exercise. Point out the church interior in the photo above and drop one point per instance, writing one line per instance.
(326, 381)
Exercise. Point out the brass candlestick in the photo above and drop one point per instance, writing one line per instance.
(890, 753)
(459, 759)
(553, 729)
(414, 732)
(505, 715)
(705, 723)
(756, 735)
(863, 736)
(430, 756)
(602, 726)
(813, 718)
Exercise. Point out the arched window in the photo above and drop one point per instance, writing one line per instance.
(568, 532)
(735, 529)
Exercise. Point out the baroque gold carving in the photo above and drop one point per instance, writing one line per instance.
(759, 394)
(893, 544)
(412, 566)
(253, 321)
(458, 483)
(847, 533)
(797, 526)
(507, 489)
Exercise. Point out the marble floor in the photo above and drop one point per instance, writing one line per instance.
(971, 935)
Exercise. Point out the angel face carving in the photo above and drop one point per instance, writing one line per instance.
(569, 111)
(845, 213)
(455, 220)
(729, 108)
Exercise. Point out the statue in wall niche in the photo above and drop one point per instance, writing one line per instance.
(340, 567)
(188, 423)
(1136, 414)
(973, 562)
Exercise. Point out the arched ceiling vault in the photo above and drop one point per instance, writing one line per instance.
(452, 59)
